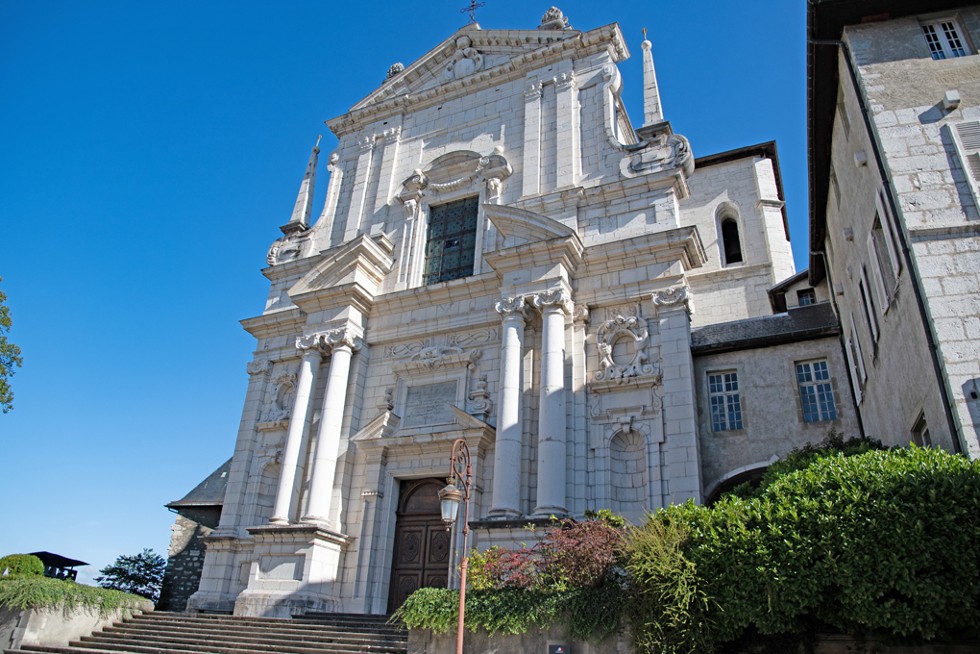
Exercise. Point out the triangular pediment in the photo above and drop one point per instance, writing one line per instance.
(363, 262)
(468, 52)
(519, 226)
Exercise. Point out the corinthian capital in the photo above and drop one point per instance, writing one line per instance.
(557, 298)
(510, 306)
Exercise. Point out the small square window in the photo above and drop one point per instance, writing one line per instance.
(806, 296)
(726, 403)
(943, 37)
(816, 391)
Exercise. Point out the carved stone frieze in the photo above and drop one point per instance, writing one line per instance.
(403, 349)
(469, 339)
(438, 356)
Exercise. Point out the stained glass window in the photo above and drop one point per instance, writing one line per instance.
(451, 241)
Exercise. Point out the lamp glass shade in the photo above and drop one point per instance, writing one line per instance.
(449, 499)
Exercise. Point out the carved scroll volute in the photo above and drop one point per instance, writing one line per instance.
(630, 333)
(556, 298)
(676, 296)
(511, 308)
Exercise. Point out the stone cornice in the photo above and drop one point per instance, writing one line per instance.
(566, 251)
(278, 323)
(384, 102)
(681, 244)
(351, 273)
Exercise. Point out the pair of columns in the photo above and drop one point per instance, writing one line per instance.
(340, 345)
(553, 305)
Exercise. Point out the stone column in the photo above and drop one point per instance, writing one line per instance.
(506, 499)
(551, 408)
(342, 345)
(299, 422)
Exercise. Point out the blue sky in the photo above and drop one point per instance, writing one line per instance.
(150, 150)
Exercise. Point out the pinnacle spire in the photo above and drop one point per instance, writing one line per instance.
(300, 220)
(652, 109)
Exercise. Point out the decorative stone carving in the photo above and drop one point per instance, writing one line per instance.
(277, 415)
(308, 342)
(259, 367)
(564, 81)
(580, 315)
(365, 143)
(465, 61)
(492, 169)
(470, 339)
(511, 305)
(480, 404)
(554, 298)
(403, 349)
(392, 134)
(676, 295)
(394, 69)
(436, 356)
(286, 248)
(338, 337)
(533, 91)
(388, 402)
(554, 19)
(629, 335)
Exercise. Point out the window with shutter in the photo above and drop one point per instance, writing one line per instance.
(966, 135)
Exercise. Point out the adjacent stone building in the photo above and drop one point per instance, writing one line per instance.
(608, 321)
(894, 128)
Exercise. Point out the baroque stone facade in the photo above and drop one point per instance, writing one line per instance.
(502, 257)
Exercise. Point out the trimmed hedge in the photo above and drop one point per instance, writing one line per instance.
(21, 565)
(882, 541)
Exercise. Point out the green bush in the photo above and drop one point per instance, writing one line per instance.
(41, 592)
(883, 541)
(21, 565)
(588, 613)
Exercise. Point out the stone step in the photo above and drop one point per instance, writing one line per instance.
(287, 630)
(182, 633)
(252, 639)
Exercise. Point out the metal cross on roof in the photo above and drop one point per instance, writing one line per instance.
(471, 10)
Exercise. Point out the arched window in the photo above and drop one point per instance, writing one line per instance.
(731, 245)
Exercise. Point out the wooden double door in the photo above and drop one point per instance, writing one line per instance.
(422, 544)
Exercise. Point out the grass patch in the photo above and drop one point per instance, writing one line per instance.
(44, 593)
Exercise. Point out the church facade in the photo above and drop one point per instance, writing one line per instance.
(608, 322)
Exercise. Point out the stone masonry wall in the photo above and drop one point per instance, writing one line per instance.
(185, 558)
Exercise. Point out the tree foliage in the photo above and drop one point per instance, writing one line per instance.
(139, 574)
(21, 565)
(9, 356)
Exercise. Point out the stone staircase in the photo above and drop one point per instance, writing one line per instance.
(185, 633)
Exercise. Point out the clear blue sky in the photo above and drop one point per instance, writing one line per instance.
(150, 150)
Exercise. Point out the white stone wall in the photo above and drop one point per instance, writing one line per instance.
(903, 89)
(772, 416)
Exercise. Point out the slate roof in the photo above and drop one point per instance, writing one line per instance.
(798, 324)
(210, 492)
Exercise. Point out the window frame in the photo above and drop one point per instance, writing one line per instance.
(728, 422)
(966, 137)
(824, 389)
(810, 293)
(936, 32)
(475, 231)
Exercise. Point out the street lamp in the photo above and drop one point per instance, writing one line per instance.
(449, 499)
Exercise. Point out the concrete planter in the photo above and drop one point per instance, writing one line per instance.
(53, 627)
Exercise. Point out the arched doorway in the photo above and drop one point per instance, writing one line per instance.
(422, 544)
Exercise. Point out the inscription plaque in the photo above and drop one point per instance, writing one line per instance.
(428, 404)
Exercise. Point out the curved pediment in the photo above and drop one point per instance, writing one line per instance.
(363, 262)
(524, 226)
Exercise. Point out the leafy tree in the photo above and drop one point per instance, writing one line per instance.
(139, 574)
(9, 356)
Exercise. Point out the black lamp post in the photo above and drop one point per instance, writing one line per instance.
(449, 499)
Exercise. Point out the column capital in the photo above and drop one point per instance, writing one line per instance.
(341, 337)
(258, 367)
(673, 297)
(533, 91)
(554, 299)
(511, 307)
(308, 344)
